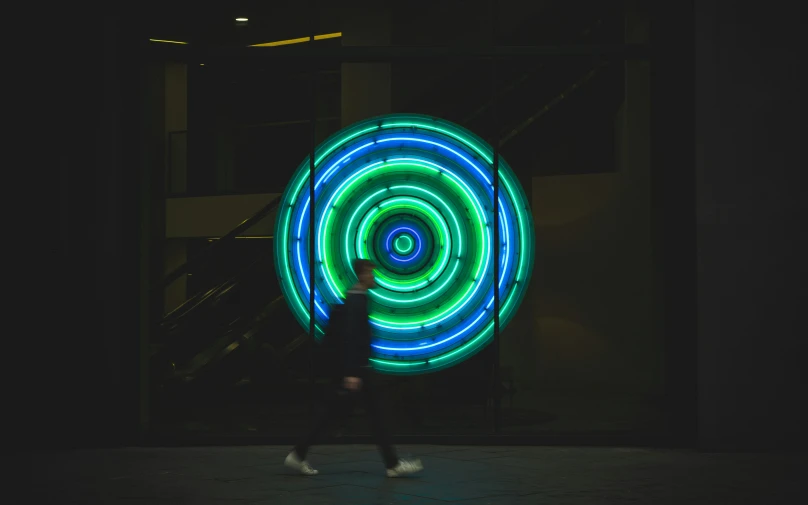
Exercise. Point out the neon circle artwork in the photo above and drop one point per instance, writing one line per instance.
(415, 195)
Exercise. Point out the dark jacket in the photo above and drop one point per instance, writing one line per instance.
(355, 334)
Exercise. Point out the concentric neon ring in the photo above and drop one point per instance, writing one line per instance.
(415, 195)
(403, 245)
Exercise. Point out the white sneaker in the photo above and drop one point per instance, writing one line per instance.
(293, 461)
(405, 467)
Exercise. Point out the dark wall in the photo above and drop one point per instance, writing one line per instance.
(81, 356)
(751, 291)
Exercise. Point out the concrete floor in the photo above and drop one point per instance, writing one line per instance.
(353, 475)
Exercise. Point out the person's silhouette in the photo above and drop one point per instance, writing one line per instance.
(358, 380)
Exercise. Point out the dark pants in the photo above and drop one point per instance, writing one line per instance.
(339, 405)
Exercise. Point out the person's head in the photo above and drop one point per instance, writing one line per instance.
(364, 272)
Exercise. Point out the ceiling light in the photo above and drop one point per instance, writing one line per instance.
(328, 36)
(283, 42)
(299, 40)
(241, 21)
(167, 41)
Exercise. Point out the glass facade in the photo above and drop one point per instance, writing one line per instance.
(466, 107)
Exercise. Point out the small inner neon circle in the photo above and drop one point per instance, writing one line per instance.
(408, 256)
(403, 244)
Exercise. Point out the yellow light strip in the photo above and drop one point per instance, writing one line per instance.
(298, 41)
(282, 42)
(211, 239)
(328, 36)
(168, 41)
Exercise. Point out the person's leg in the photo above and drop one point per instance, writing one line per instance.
(374, 407)
(336, 407)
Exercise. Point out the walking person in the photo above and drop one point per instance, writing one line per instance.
(358, 380)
